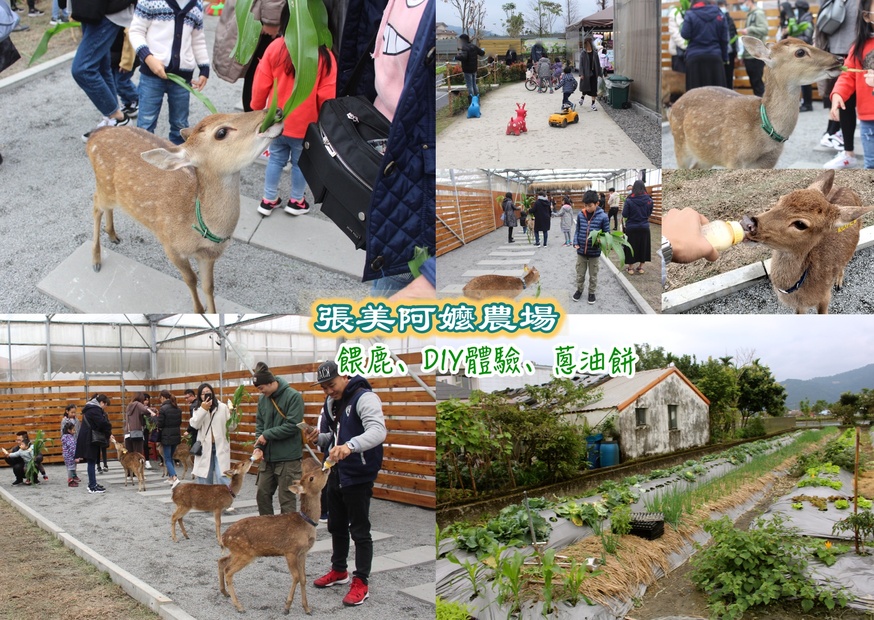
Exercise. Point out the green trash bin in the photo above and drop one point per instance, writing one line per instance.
(617, 91)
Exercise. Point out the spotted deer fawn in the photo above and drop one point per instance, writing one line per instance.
(133, 464)
(483, 287)
(209, 497)
(187, 195)
(814, 233)
(181, 454)
(714, 126)
(290, 535)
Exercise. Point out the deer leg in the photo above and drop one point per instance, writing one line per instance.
(110, 226)
(180, 512)
(95, 248)
(206, 267)
(222, 564)
(218, 526)
(291, 559)
(235, 565)
(839, 283)
(302, 578)
(188, 275)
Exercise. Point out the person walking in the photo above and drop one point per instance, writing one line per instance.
(613, 207)
(210, 420)
(542, 212)
(756, 26)
(676, 43)
(509, 208)
(278, 443)
(467, 55)
(351, 431)
(588, 254)
(566, 215)
(94, 418)
(135, 417)
(705, 29)
(732, 44)
(590, 71)
(169, 420)
(635, 213)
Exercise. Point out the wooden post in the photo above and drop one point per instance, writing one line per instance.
(856, 488)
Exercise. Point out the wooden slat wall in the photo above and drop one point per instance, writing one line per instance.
(410, 414)
(741, 80)
(464, 217)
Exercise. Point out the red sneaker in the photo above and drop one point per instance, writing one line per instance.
(357, 593)
(331, 579)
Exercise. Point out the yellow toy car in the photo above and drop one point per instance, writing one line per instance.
(561, 119)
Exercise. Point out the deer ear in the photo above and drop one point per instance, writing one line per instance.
(167, 159)
(296, 488)
(850, 214)
(758, 49)
(185, 132)
(823, 183)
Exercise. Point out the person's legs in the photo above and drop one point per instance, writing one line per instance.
(338, 523)
(357, 501)
(755, 70)
(536, 237)
(17, 464)
(177, 108)
(125, 87)
(151, 98)
(545, 237)
(509, 234)
(389, 285)
(280, 149)
(217, 472)
(286, 474)
(267, 483)
(103, 454)
(848, 123)
(593, 273)
(298, 182)
(92, 477)
(90, 64)
(582, 265)
(867, 132)
(168, 460)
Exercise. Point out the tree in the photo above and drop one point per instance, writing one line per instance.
(602, 4)
(846, 408)
(804, 406)
(515, 25)
(571, 12)
(543, 14)
(820, 405)
(649, 358)
(759, 392)
(469, 12)
(718, 382)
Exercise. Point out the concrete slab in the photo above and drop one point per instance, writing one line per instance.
(119, 286)
(452, 289)
(172, 611)
(158, 492)
(698, 293)
(512, 254)
(507, 261)
(498, 272)
(308, 239)
(34, 72)
(382, 564)
(427, 593)
(325, 545)
(414, 556)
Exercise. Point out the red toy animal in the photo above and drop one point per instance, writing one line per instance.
(517, 125)
(513, 127)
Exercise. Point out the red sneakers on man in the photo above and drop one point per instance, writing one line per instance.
(357, 593)
(333, 578)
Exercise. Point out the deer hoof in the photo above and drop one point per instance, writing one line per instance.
(96, 267)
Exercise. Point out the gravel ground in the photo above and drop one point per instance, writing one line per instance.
(853, 298)
(48, 183)
(643, 129)
(133, 531)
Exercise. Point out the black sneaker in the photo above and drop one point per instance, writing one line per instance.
(108, 122)
(131, 109)
(35, 13)
(18, 9)
(96, 490)
(266, 207)
(591, 298)
(577, 295)
(17, 482)
(99, 486)
(297, 208)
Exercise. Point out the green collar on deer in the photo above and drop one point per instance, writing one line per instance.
(846, 226)
(797, 284)
(768, 127)
(303, 516)
(201, 228)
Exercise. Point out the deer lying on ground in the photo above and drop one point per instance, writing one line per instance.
(291, 535)
(814, 233)
(133, 464)
(208, 497)
(187, 195)
(484, 287)
(181, 454)
(714, 126)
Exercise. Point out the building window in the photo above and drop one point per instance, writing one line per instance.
(672, 417)
(640, 416)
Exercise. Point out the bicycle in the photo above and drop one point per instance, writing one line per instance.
(533, 83)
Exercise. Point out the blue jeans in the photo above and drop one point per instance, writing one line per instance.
(125, 86)
(470, 82)
(282, 149)
(537, 236)
(389, 285)
(168, 461)
(92, 68)
(92, 476)
(152, 91)
(867, 131)
(214, 476)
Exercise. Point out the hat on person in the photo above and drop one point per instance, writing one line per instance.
(327, 372)
(263, 376)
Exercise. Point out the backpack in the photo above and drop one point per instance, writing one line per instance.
(831, 16)
(9, 20)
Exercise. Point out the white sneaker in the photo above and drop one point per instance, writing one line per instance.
(827, 141)
(841, 161)
(148, 465)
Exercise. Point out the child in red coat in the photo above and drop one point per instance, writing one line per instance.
(277, 64)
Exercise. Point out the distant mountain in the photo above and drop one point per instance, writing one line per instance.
(828, 388)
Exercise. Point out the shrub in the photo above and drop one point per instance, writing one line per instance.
(755, 428)
(620, 521)
(447, 610)
(740, 570)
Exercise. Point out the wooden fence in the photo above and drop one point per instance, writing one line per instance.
(741, 80)
(468, 214)
(408, 468)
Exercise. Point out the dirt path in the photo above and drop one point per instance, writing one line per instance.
(40, 577)
(676, 595)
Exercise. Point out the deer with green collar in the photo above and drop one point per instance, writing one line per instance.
(187, 195)
(813, 233)
(715, 126)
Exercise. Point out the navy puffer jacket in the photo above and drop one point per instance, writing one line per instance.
(586, 223)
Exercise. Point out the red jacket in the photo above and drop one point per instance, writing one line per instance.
(849, 83)
(272, 66)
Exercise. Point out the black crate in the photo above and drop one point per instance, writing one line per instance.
(649, 525)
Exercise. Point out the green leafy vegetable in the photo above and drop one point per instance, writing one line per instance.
(43, 45)
(184, 84)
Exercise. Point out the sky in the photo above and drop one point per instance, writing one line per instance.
(794, 347)
(447, 14)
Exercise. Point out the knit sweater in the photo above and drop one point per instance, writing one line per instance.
(172, 34)
(272, 66)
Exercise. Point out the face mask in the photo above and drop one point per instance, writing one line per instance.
(745, 8)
